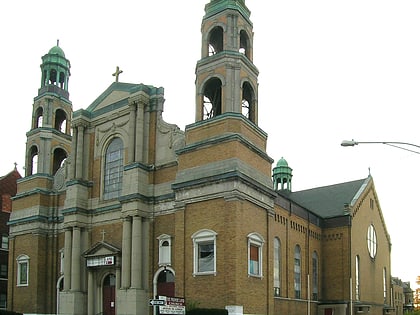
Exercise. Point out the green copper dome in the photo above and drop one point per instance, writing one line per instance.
(56, 50)
(282, 163)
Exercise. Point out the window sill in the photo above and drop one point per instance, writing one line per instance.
(207, 273)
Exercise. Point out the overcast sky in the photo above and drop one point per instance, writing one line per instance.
(329, 71)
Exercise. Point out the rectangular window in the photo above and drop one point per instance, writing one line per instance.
(22, 273)
(5, 242)
(254, 260)
(205, 257)
(3, 271)
(3, 301)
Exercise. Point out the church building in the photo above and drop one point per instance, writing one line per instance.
(118, 207)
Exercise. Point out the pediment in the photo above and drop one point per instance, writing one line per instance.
(101, 249)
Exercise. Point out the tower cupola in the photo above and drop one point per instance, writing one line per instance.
(282, 176)
(55, 72)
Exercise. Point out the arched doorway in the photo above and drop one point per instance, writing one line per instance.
(165, 283)
(108, 295)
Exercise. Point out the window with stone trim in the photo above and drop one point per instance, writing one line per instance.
(204, 247)
(22, 270)
(165, 245)
(255, 245)
(113, 169)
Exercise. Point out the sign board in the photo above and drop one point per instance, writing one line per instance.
(100, 261)
(173, 305)
(157, 302)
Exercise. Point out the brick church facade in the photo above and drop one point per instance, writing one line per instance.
(118, 206)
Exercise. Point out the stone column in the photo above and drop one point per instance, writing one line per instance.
(126, 254)
(91, 293)
(67, 259)
(132, 133)
(73, 154)
(145, 250)
(140, 126)
(75, 260)
(79, 152)
(136, 254)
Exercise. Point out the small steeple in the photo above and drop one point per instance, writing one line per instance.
(282, 176)
(55, 70)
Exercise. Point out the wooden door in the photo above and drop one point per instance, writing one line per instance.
(108, 290)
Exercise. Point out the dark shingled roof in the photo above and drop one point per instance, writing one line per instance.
(329, 201)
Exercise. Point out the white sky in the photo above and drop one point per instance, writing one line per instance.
(329, 71)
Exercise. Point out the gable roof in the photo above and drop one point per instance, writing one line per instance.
(330, 201)
(115, 97)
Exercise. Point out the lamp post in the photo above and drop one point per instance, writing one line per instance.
(399, 145)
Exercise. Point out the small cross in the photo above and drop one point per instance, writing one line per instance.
(117, 73)
(103, 235)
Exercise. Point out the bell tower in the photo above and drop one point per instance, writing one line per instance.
(223, 188)
(36, 218)
(49, 139)
(226, 78)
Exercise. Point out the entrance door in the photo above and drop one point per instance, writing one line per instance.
(166, 283)
(108, 293)
(328, 311)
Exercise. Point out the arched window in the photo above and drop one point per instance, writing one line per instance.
(59, 156)
(297, 272)
(113, 170)
(33, 162)
(255, 244)
(39, 117)
(60, 121)
(215, 41)
(277, 267)
(357, 278)
(244, 44)
(315, 275)
(248, 102)
(204, 242)
(384, 280)
(212, 98)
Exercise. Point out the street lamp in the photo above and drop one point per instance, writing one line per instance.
(352, 143)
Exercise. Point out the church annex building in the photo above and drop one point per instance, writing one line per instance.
(118, 207)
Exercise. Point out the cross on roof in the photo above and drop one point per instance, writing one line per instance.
(117, 73)
(103, 235)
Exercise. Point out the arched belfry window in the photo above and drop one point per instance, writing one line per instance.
(248, 101)
(59, 157)
(113, 170)
(53, 77)
(212, 98)
(39, 114)
(215, 41)
(244, 44)
(60, 123)
(33, 161)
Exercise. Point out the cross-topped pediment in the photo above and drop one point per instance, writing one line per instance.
(102, 249)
